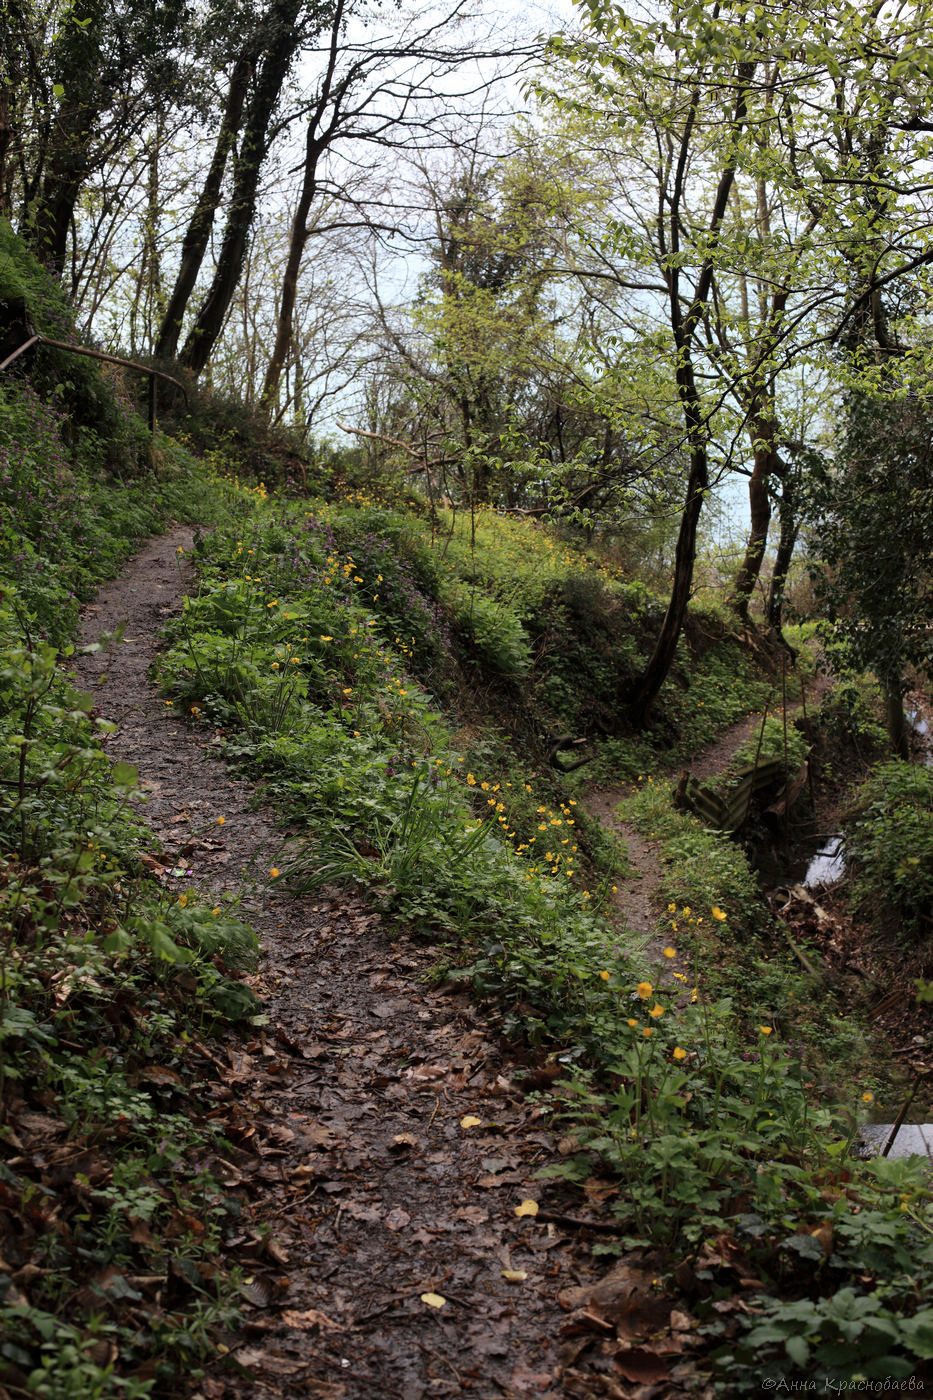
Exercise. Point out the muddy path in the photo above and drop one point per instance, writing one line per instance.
(382, 1141)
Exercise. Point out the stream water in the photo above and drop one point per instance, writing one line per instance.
(913, 1140)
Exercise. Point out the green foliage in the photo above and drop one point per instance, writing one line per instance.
(105, 979)
(886, 460)
(717, 690)
(62, 529)
(849, 711)
(87, 400)
(493, 631)
(889, 838)
(852, 1334)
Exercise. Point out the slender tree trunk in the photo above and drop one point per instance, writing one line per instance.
(759, 500)
(199, 229)
(655, 672)
(895, 718)
(316, 143)
(6, 137)
(683, 328)
(296, 245)
(247, 167)
(785, 552)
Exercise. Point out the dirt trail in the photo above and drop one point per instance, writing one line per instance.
(346, 1111)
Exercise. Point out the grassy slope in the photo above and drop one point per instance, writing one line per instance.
(318, 643)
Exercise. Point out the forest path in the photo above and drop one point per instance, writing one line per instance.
(361, 1188)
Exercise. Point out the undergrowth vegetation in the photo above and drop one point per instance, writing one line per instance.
(111, 1200)
(889, 836)
(685, 1079)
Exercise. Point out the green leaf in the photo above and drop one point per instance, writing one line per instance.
(798, 1349)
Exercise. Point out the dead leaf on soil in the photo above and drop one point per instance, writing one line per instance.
(475, 1215)
(625, 1301)
(310, 1318)
(359, 1210)
(397, 1219)
(641, 1366)
(254, 1359)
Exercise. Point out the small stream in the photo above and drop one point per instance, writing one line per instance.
(827, 866)
(913, 1140)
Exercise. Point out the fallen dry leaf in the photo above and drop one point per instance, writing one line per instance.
(308, 1319)
(641, 1365)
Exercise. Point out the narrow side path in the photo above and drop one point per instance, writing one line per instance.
(636, 900)
(364, 1181)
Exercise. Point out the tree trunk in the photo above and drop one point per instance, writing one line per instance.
(55, 205)
(785, 552)
(6, 136)
(316, 142)
(247, 167)
(759, 500)
(655, 672)
(199, 229)
(683, 327)
(895, 719)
